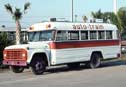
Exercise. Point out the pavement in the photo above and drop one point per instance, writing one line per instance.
(110, 74)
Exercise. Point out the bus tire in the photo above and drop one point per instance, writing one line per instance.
(95, 61)
(17, 69)
(38, 66)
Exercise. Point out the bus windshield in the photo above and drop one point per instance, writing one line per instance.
(41, 36)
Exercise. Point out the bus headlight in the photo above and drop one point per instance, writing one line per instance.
(5, 55)
(23, 55)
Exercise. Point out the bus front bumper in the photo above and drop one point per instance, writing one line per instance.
(15, 62)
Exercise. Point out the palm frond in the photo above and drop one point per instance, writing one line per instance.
(9, 8)
(93, 14)
(17, 14)
(26, 6)
(85, 18)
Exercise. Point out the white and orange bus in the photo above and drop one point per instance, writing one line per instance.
(56, 43)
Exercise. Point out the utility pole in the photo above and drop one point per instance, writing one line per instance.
(115, 6)
(72, 11)
(76, 18)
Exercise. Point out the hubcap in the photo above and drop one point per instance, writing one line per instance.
(38, 66)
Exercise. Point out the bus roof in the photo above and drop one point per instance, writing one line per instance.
(71, 26)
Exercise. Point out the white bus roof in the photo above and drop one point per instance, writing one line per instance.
(71, 26)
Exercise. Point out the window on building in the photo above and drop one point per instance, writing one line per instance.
(11, 35)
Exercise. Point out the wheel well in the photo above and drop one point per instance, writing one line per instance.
(97, 52)
(41, 56)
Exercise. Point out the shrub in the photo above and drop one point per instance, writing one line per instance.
(4, 41)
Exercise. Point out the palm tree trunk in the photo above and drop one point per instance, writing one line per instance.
(18, 30)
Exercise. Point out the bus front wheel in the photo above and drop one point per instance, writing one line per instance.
(38, 67)
(17, 69)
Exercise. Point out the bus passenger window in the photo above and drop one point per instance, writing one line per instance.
(108, 34)
(61, 36)
(93, 35)
(73, 35)
(101, 35)
(84, 35)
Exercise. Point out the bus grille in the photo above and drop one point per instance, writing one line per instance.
(16, 54)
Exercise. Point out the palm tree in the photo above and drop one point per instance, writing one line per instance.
(4, 41)
(17, 15)
(98, 14)
(122, 17)
(85, 19)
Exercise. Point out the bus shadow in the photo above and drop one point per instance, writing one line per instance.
(113, 63)
(64, 68)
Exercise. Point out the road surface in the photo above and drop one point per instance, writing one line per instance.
(110, 74)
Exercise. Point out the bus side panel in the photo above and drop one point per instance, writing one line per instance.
(111, 52)
(70, 55)
(81, 51)
(82, 54)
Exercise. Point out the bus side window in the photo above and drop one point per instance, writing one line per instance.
(61, 36)
(108, 34)
(84, 35)
(101, 35)
(93, 35)
(73, 35)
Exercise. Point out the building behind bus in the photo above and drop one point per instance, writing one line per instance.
(11, 32)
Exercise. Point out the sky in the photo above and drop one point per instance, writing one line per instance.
(43, 10)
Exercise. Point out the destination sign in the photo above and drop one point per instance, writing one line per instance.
(90, 26)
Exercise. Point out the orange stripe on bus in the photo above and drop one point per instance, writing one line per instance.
(75, 44)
